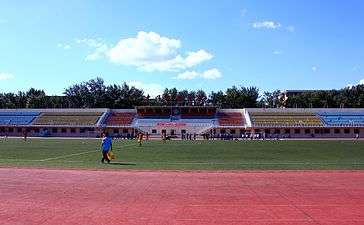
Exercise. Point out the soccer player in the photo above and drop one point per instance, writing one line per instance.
(106, 146)
(164, 137)
(140, 138)
(25, 135)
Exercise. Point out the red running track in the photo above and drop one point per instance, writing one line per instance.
(41, 196)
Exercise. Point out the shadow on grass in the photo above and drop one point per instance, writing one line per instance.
(121, 164)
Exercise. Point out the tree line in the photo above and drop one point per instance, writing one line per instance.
(348, 97)
(96, 94)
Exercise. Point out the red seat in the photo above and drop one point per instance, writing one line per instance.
(231, 119)
(117, 119)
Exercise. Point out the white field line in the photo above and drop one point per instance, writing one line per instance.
(19, 160)
(65, 156)
(75, 154)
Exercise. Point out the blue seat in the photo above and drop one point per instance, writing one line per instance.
(343, 118)
(17, 118)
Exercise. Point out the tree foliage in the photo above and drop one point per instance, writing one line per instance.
(96, 94)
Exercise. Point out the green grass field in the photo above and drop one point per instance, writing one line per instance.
(182, 155)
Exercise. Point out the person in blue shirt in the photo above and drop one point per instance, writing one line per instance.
(106, 146)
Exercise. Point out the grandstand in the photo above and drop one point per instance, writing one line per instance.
(175, 121)
(119, 122)
(231, 119)
(150, 112)
(283, 118)
(15, 118)
(68, 118)
(178, 120)
(116, 119)
(197, 112)
(51, 122)
(342, 118)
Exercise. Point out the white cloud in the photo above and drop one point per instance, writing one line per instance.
(291, 28)
(361, 81)
(145, 47)
(210, 74)
(195, 58)
(152, 89)
(188, 75)
(271, 25)
(6, 76)
(314, 68)
(99, 48)
(64, 46)
(277, 52)
(152, 52)
(147, 51)
(266, 25)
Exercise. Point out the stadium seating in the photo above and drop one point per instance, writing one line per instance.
(342, 118)
(68, 118)
(197, 116)
(120, 119)
(198, 113)
(154, 113)
(184, 122)
(17, 118)
(231, 119)
(285, 119)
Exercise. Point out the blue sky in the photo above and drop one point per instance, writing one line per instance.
(208, 45)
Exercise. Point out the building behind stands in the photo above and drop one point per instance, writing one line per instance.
(176, 121)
